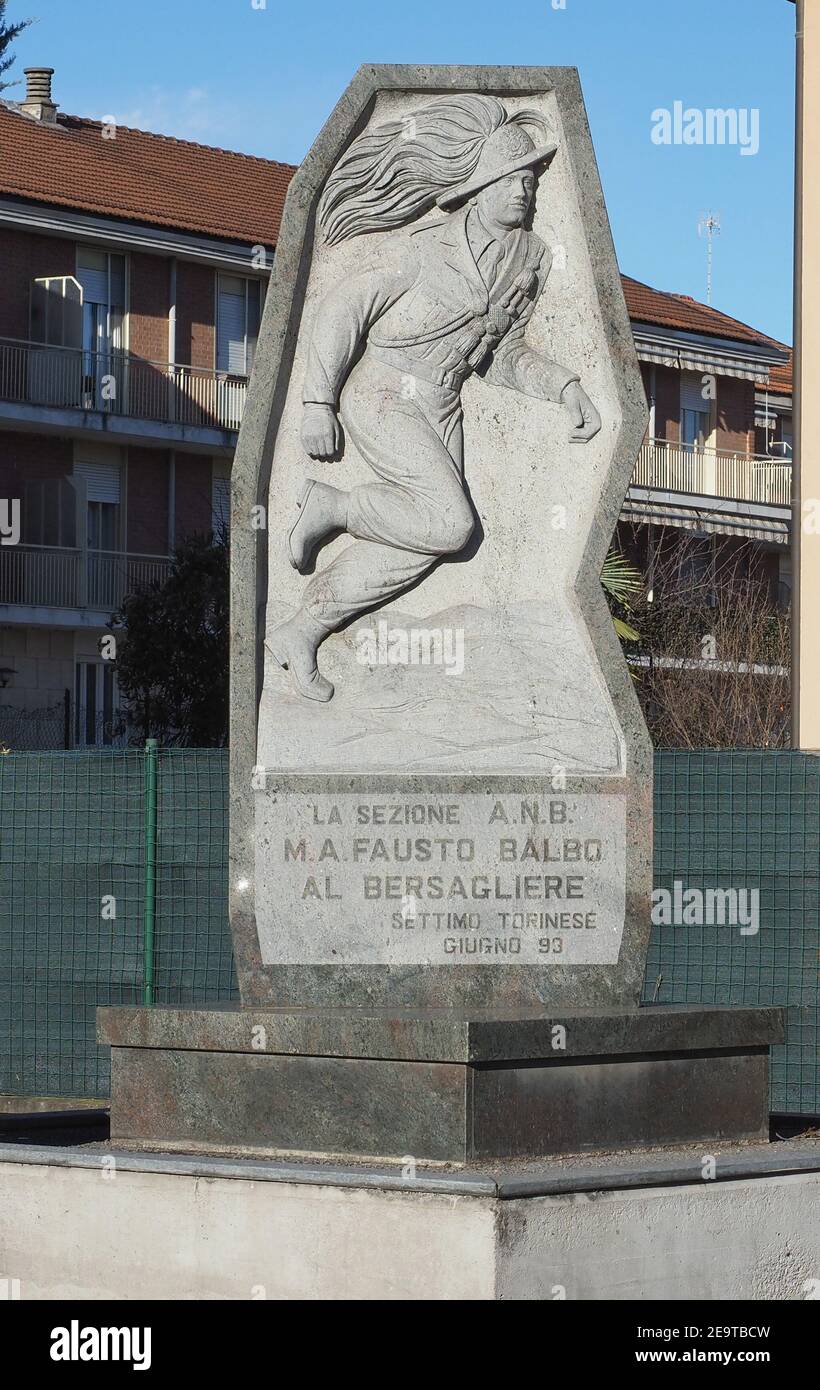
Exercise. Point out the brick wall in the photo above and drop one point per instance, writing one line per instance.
(150, 294)
(646, 378)
(24, 256)
(735, 415)
(194, 511)
(32, 456)
(735, 410)
(147, 505)
(667, 404)
(196, 292)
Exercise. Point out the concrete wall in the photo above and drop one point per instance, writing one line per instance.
(92, 1232)
(757, 1239)
(43, 660)
(75, 1233)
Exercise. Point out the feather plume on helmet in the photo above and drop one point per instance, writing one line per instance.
(439, 155)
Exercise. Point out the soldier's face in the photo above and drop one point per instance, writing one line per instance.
(507, 201)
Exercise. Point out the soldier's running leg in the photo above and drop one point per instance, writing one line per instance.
(415, 512)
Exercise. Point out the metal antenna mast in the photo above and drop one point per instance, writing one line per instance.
(710, 224)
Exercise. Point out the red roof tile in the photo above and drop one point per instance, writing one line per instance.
(141, 177)
(780, 378)
(166, 182)
(682, 312)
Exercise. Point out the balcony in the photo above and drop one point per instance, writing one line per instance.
(754, 478)
(49, 577)
(119, 385)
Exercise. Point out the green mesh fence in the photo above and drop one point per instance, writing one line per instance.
(72, 902)
(72, 843)
(193, 959)
(70, 837)
(745, 820)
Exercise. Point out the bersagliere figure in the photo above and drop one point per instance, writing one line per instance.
(438, 302)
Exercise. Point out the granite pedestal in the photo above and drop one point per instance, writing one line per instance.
(437, 1086)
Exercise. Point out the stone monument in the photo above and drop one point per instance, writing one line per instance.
(453, 800)
(441, 781)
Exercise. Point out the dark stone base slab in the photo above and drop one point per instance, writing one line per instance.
(438, 1086)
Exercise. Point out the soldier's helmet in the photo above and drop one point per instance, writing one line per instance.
(505, 151)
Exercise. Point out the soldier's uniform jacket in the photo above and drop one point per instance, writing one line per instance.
(428, 307)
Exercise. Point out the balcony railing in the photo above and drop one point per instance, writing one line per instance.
(51, 577)
(668, 467)
(119, 384)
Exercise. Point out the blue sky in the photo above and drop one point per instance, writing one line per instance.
(264, 79)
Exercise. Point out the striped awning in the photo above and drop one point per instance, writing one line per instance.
(689, 358)
(755, 528)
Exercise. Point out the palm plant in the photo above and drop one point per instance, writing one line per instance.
(621, 581)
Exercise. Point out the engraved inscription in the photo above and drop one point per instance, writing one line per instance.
(352, 879)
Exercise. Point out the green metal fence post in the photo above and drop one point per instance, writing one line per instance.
(150, 870)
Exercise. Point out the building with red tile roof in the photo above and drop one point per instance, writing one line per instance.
(114, 171)
(130, 301)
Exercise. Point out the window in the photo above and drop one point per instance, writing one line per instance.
(49, 513)
(100, 470)
(694, 429)
(103, 525)
(238, 311)
(695, 413)
(96, 715)
(102, 277)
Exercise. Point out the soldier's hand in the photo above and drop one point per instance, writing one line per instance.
(585, 418)
(514, 300)
(321, 433)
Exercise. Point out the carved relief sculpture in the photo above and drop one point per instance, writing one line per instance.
(392, 346)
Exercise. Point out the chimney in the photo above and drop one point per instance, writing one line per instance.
(38, 101)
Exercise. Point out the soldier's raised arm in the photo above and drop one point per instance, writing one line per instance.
(523, 368)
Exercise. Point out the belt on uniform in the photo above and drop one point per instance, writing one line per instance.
(451, 380)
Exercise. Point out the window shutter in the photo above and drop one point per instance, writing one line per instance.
(231, 341)
(94, 283)
(691, 392)
(102, 481)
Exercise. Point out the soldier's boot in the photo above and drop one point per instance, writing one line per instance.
(293, 645)
(321, 509)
